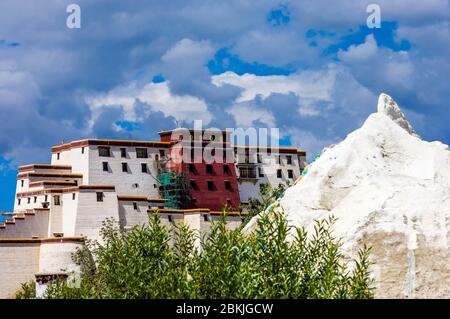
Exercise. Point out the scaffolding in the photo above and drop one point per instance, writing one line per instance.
(174, 188)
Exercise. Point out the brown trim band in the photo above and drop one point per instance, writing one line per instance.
(75, 144)
(66, 190)
(61, 175)
(41, 240)
(133, 198)
(31, 167)
(178, 211)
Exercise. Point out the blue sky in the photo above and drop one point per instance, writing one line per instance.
(310, 68)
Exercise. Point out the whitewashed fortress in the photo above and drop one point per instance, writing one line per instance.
(58, 204)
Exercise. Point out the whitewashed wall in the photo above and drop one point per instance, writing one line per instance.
(130, 217)
(125, 181)
(18, 264)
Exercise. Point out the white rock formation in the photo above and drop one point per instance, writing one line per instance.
(390, 190)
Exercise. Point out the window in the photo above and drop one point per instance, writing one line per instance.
(226, 170)
(123, 152)
(155, 186)
(28, 200)
(105, 166)
(205, 217)
(99, 196)
(104, 151)
(289, 160)
(46, 198)
(144, 168)
(82, 150)
(21, 183)
(125, 167)
(247, 172)
(194, 185)
(209, 169)
(260, 172)
(259, 158)
(290, 173)
(278, 159)
(73, 196)
(211, 186)
(18, 201)
(279, 175)
(228, 185)
(57, 156)
(135, 207)
(141, 153)
(57, 200)
(162, 153)
(35, 199)
(169, 217)
(192, 168)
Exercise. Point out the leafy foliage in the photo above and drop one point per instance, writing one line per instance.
(267, 195)
(275, 261)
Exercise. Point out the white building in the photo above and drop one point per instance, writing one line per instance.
(273, 166)
(58, 204)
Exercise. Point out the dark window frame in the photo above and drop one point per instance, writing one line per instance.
(144, 168)
(209, 169)
(105, 166)
(124, 167)
(123, 152)
(141, 152)
(290, 173)
(104, 151)
(193, 184)
(100, 196)
(279, 173)
(289, 160)
(211, 186)
(57, 200)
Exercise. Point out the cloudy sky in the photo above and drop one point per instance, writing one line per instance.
(135, 67)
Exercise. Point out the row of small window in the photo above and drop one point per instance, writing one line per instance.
(105, 151)
(211, 185)
(57, 199)
(209, 169)
(125, 168)
(249, 172)
(247, 159)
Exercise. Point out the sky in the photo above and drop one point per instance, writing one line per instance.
(311, 68)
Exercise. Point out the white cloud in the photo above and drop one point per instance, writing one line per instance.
(364, 51)
(315, 85)
(246, 115)
(159, 98)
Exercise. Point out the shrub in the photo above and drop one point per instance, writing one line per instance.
(154, 261)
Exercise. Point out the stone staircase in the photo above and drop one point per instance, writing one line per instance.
(26, 224)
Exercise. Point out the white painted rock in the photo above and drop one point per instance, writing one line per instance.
(390, 190)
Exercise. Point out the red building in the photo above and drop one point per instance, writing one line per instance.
(207, 159)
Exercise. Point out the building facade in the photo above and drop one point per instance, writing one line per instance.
(90, 180)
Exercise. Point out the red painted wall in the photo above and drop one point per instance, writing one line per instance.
(202, 197)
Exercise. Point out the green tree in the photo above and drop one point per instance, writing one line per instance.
(275, 261)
